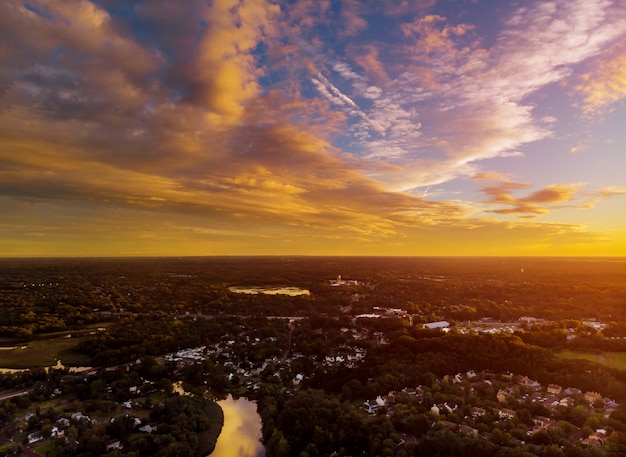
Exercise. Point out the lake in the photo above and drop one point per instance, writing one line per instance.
(241, 434)
(269, 290)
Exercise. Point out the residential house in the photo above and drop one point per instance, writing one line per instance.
(592, 396)
(506, 413)
(542, 421)
(468, 430)
(35, 437)
(371, 406)
(439, 324)
(451, 426)
(112, 445)
(554, 389)
(477, 412)
(63, 422)
(572, 391)
(148, 428)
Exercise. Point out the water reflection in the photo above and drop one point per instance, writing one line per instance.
(241, 434)
(269, 290)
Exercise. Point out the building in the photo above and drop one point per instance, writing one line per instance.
(436, 325)
(554, 389)
(343, 282)
(592, 396)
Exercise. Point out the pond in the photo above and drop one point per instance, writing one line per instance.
(241, 434)
(269, 290)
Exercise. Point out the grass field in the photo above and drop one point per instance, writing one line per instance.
(43, 353)
(611, 359)
(46, 350)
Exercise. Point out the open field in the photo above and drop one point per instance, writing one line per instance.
(43, 353)
(46, 350)
(610, 359)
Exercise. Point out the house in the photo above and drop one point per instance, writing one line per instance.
(435, 325)
(63, 422)
(411, 391)
(78, 416)
(526, 381)
(35, 437)
(451, 426)
(591, 442)
(371, 406)
(599, 436)
(552, 401)
(554, 389)
(148, 428)
(592, 396)
(343, 282)
(572, 391)
(502, 395)
(609, 407)
(115, 444)
(477, 412)
(449, 408)
(596, 439)
(468, 430)
(506, 413)
(533, 430)
(542, 421)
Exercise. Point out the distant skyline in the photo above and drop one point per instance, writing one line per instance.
(174, 128)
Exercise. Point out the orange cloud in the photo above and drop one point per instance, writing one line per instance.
(554, 193)
(610, 191)
(227, 73)
(500, 192)
(605, 86)
(488, 175)
(353, 22)
(432, 38)
(368, 57)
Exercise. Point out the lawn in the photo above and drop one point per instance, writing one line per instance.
(610, 359)
(43, 353)
(43, 449)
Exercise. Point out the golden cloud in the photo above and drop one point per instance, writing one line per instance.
(605, 86)
(500, 192)
(226, 71)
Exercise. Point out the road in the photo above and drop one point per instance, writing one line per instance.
(288, 349)
(13, 393)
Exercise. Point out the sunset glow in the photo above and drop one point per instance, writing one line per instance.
(245, 127)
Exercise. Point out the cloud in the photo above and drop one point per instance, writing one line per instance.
(500, 192)
(80, 27)
(442, 100)
(188, 121)
(488, 175)
(351, 15)
(610, 191)
(605, 86)
(225, 72)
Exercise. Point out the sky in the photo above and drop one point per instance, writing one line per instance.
(256, 127)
